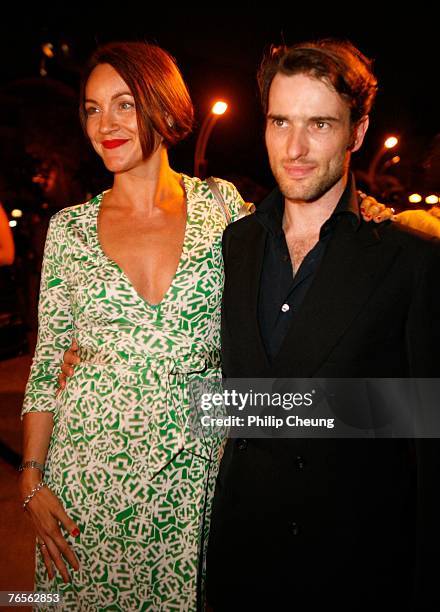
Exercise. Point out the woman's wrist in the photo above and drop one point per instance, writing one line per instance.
(30, 496)
(27, 480)
(31, 464)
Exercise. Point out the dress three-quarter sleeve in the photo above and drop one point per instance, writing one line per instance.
(55, 323)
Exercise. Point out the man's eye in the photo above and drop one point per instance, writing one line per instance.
(321, 125)
(279, 122)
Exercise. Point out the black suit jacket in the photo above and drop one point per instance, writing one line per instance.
(303, 523)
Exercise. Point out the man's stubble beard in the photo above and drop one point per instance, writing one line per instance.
(318, 187)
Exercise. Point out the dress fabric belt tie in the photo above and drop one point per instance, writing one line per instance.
(175, 412)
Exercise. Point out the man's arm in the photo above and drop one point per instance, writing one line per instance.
(423, 342)
(423, 323)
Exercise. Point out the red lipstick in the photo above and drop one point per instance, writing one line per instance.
(112, 144)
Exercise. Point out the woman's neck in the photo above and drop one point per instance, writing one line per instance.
(148, 187)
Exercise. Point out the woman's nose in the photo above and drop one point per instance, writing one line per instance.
(107, 122)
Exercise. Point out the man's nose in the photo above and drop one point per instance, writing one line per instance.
(297, 143)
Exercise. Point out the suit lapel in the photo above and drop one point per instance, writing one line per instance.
(350, 270)
(245, 262)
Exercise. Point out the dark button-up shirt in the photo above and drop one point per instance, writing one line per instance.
(281, 290)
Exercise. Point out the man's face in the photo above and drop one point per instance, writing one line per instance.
(308, 136)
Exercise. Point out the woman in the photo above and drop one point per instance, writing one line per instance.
(135, 274)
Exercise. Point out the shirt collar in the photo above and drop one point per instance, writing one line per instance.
(270, 211)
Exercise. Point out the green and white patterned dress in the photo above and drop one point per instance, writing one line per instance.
(121, 458)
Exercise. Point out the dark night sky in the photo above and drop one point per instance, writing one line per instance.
(219, 56)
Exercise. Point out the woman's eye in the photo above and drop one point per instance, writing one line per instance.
(126, 105)
(91, 110)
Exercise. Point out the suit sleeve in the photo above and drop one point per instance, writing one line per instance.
(55, 322)
(423, 337)
(423, 324)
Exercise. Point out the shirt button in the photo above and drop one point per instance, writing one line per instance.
(295, 528)
(300, 462)
(285, 307)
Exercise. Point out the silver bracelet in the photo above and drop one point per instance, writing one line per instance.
(35, 490)
(31, 464)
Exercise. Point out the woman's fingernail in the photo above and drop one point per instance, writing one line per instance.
(75, 532)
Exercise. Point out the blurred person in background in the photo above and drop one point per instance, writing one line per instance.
(426, 221)
(7, 250)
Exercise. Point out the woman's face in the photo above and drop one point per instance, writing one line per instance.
(111, 120)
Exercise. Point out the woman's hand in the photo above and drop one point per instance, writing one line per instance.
(46, 512)
(70, 359)
(372, 210)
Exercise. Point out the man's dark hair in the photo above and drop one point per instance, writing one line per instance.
(337, 62)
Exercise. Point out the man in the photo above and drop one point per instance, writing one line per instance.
(313, 291)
